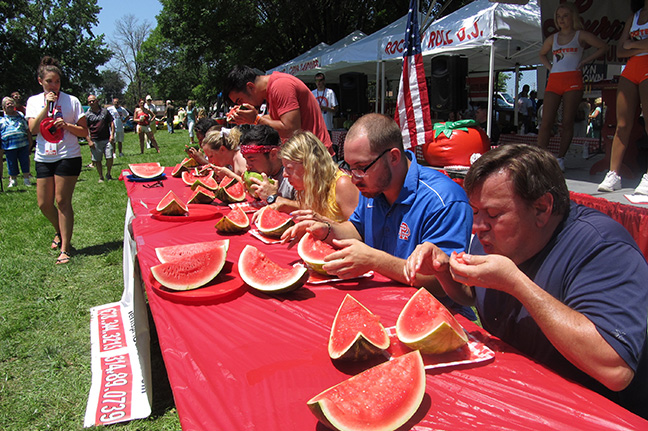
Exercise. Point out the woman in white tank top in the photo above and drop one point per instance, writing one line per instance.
(631, 90)
(565, 81)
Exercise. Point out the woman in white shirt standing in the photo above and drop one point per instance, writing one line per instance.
(58, 120)
(565, 79)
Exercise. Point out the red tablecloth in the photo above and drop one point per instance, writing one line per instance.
(251, 361)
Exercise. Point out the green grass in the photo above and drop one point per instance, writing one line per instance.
(44, 313)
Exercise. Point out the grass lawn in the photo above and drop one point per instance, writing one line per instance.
(44, 316)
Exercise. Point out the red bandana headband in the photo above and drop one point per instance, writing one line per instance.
(255, 149)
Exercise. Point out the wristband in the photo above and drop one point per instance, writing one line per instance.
(328, 232)
(257, 119)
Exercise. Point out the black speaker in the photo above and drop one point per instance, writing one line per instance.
(448, 83)
(353, 93)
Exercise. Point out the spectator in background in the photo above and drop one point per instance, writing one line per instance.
(142, 117)
(170, 115)
(326, 99)
(525, 111)
(119, 114)
(202, 126)
(18, 100)
(152, 123)
(481, 116)
(596, 118)
(182, 117)
(582, 119)
(291, 104)
(191, 113)
(16, 142)
(101, 134)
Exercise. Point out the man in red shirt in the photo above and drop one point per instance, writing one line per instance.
(291, 105)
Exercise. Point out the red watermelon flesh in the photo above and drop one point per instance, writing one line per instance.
(146, 170)
(425, 324)
(207, 182)
(261, 273)
(202, 196)
(191, 272)
(235, 221)
(178, 170)
(189, 177)
(313, 251)
(273, 223)
(233, 193)
(178, 252)
(227, 182)
(381, 398)
(356, 333)
(171, 204)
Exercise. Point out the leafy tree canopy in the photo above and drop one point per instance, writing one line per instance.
(30, 29)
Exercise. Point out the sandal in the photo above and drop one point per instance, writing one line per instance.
(63, 258)
(56, 242)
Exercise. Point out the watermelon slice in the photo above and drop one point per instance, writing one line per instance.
(262, 274)
(381, 398)
(356, 333)
(171, 204)
(178, 252)
(207, 182)
(425, 324)
(235, 192)
(202, 196)
(191, 272)
(146, 170)
(235, 221)
(227, 182)
(190, 177)
(178, 170)
(189, 162)
(313, 251)
(247, 179)
(273, 223)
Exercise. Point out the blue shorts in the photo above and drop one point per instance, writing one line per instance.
(62, 168)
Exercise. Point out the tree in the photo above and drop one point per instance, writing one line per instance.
(60, 28)
(112, 85)
(129, 37)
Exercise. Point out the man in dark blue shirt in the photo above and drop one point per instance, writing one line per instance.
(101, 134)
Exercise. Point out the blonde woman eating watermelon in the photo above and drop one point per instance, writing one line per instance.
(323, 190)
(224, 154)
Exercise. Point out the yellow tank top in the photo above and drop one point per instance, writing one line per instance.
(333, 210)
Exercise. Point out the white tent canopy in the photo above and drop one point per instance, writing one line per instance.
(311, 59)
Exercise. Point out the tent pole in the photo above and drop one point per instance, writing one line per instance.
(491, 88)
(378, 84)
(383, 86)
(517, 91)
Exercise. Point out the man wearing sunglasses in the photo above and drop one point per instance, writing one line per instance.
(402, 204)
(101, 134)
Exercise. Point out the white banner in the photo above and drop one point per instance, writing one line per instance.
(120, 350)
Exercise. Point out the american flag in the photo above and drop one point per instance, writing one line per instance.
(413, 106)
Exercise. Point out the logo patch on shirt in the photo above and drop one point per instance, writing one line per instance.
(404, 232)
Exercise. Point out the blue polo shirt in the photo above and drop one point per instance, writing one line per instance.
(430, 207)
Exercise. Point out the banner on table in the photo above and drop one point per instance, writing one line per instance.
(118, 392)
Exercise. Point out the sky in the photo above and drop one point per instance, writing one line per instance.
(113, 10)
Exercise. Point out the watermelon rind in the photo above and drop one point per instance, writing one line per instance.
(427, 325)
(235, 221)
(146, 170)
(192, 272)
(307, 247)
(248, 175)
(261, 273)
(207, 182)
(382, 398)
(202, 195)
(172, 205)
(356, 333)
(265, 225)
(232, 193)
(171, 253)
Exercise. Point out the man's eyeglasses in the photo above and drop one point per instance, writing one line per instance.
(361, 172)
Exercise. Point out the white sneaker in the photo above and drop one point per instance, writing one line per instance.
(561, 163)
(12, 182)
(611, 182)
(642, 188)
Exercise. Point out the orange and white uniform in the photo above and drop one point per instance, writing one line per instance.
(565, 74)
(636, 70)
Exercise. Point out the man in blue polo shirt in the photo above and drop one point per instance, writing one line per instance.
(402, 204)
(563, 283)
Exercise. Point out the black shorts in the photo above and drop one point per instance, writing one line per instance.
(62, 168)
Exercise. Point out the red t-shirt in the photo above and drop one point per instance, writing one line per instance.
(287, 93)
